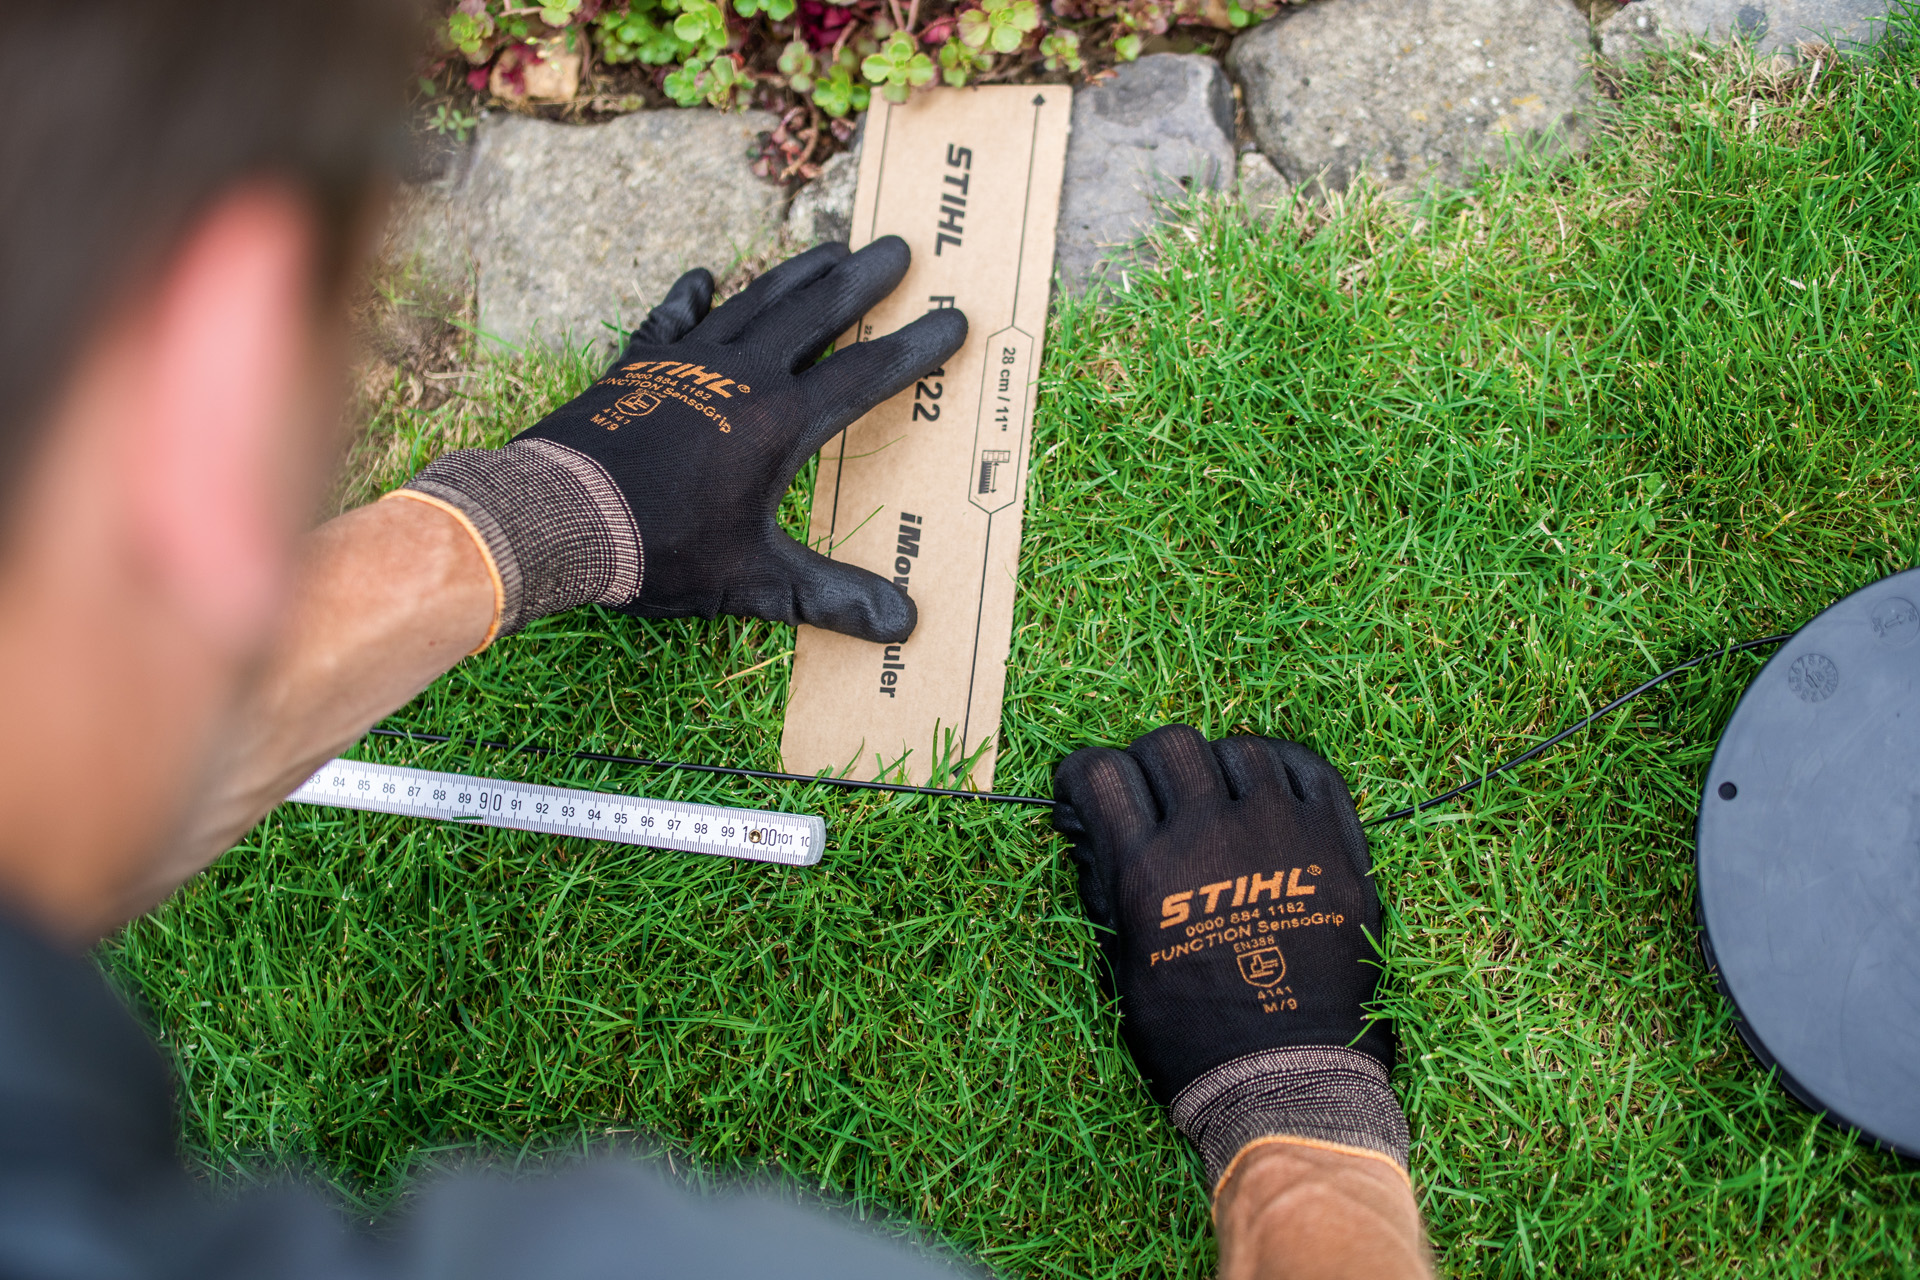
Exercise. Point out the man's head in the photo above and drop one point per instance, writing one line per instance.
(183, 188)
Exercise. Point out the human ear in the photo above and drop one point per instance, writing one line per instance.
(216, 442)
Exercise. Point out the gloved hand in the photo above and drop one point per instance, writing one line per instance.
(655, 490)
(1234, 894)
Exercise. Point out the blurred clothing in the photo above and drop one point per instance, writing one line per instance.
(93, 1188)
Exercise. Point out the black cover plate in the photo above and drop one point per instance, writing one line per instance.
(1810, 874)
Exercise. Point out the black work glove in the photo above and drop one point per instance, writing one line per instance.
(1232, 888)
(656, 489)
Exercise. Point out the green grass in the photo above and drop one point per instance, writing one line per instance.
(1411, 486)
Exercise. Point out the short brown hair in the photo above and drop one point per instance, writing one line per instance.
(125, 119)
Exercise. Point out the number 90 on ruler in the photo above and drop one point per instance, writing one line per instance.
(791, 839)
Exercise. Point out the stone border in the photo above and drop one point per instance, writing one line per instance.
(560, 227)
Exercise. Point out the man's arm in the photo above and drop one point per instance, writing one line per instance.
(392, 595)
(1292, 1212)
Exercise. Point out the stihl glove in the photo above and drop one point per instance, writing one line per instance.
(655, 490)
(1234, 894)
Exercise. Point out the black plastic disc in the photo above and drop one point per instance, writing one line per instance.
(1809, 863)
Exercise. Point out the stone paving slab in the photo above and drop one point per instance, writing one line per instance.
(1263, 188)
(1415, 91)
(1771, 26)
(565, 227)
(822, 210)
(1160, 127)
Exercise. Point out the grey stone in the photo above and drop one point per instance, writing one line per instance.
(563, 228)
(1770, 26)
(1262, 186)
(427, 229)
(823, 209)
(1625, 36)
(1415, 91)
(1160, 127)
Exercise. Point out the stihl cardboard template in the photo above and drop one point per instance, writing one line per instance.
(927, 489)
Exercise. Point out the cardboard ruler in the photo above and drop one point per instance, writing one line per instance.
(928, 489)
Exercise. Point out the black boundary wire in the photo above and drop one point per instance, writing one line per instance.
(901, 788)
(1577, 726)
(733, 771)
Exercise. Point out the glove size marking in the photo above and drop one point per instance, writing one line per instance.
(1176, 908)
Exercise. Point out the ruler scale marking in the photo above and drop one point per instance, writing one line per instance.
(788, 839)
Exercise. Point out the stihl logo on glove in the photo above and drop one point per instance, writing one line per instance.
(693, 385)
(1243, 924)
(1246, 892)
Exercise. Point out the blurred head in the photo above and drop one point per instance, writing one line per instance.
(184, 188)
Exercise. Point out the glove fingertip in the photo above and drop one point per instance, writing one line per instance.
(888, 255)
(685, 305)
(1069, 774)
(1244, 763)
(876, 611)
(1105, 789)
(856, 378)
(1179, 766)
(945, 329)
(894, 615)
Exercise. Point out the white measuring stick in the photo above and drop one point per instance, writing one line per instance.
(792, 839)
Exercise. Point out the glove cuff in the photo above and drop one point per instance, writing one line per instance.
(555, 526)
(1315, 1093)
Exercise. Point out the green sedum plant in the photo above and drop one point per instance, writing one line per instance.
(703, 24)
(839, 93)
(710, 80)
(469, 31)
(959, 62)
(1060, 50)
(898, 68)
(1000, 25)
(450, 121)
(798, 65)
(642, 32)
(835, 53)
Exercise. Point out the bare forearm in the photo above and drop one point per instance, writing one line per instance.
(1291, 1211)
(393, 595)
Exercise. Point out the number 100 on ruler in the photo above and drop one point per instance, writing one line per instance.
(792, 839)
